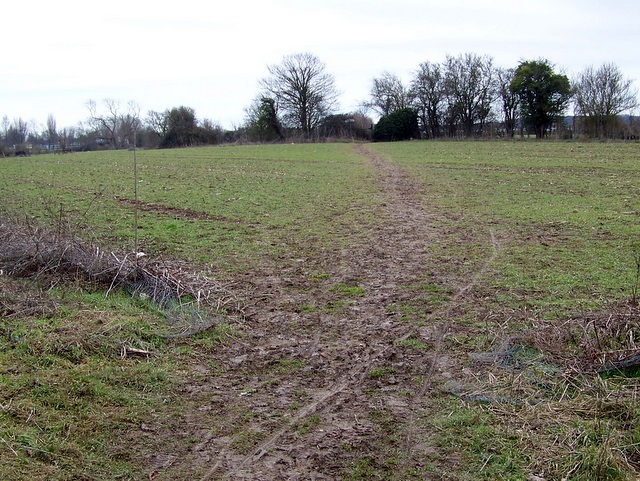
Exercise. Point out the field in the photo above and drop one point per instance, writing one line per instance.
(418, 310)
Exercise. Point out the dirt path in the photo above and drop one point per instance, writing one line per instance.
(314, 394)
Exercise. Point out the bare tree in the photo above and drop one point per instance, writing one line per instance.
(5, 127)
(63, 139)
(469, 82)
(115, 125)
(601, 95)
(52, 131)
(428, 94)
(105, 124)
(388, 94)
(158, 123)
(303, 91)
(18, 132)
(212, 131)
(508, 99)
(362, 122)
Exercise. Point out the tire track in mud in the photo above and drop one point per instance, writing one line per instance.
(438, 348)
(395, 257)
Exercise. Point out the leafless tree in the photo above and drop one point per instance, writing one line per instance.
(303, 91)
(158, 123)
(130, 122)
(52, 130)
(63, 139)
(362, 121)
(469, 83)
(429, 96)
(388, 94)
(5, 127)
(18, 132)
(507, 99)
(115, 125)
(601, 95)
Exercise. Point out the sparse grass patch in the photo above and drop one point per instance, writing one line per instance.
(381, 372)
(245, 441)
(336, 307)
(289, 366)
(320, 277)
(386, 461)
(348, 290)
(412, 342)
(308, 309)
(220, 333)
(309, 424)
(364, 468)
(426, 298)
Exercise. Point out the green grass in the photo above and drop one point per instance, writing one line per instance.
(245, 441)
(566, 215)
(381, 372)
(309, 424)
(289, 366)
(482, 451)
(412, 342)
(67, 395)
(344, 289)
(561, 219)
(71, 404)
(221, 206)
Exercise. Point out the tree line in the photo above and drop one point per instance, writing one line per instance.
(465, 96)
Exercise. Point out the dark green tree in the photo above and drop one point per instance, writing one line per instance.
(262, 122)
(268, 121)
(544, 95)
(399, 125)
(183, 128)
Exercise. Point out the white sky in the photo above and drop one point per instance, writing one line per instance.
(59, 54)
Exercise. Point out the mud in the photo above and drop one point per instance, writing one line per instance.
(331, 393)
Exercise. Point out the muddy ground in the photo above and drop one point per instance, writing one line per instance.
(326, 385)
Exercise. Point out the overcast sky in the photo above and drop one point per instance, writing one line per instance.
(59, 54)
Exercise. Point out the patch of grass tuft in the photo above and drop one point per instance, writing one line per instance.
(348, 290)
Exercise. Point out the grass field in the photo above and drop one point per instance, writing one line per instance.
(419, 310)
(569, 213)
(224, 200)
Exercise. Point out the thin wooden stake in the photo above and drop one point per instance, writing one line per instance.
(135, 197)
